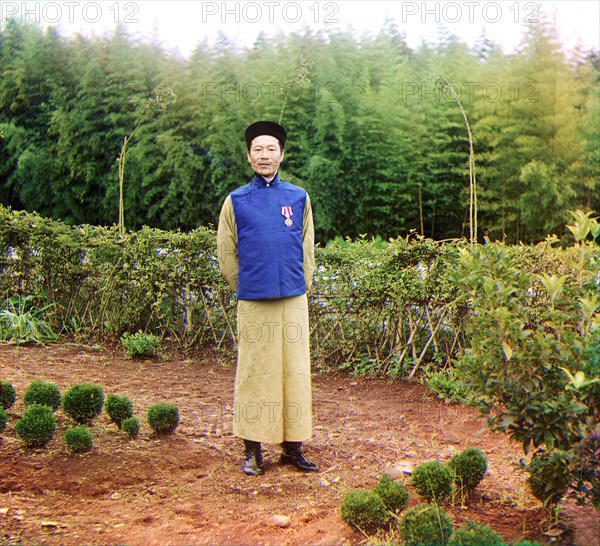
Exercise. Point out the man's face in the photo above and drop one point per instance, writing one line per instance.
(265, 155)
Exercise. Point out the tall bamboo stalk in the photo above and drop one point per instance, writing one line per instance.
(472, 179)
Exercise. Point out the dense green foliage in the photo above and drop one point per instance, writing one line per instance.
(83, 402)
(432, 481)
(139, 344)
(43, 393)
(79, 439)
(532, 364)
(131, 427)
(425, 525)
(381, 148)
(547, 478)
(363, 509)
(3, 418)
(475, 534)
(393, 494)
(163, 417)
(469, 468)
(118, 408)
(37, 425)
(8, 395)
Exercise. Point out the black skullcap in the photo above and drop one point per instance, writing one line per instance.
(265, 128)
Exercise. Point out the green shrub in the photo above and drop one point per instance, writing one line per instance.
(425, 525)
(533, 352)
(83, 402)
(3, 418)
(45, 394)
(364, 510)
(37, 426)
(525, 543)
(139, 344)
(432, 481)
(469, 468)
(131, 427)
(163, 418)
(475, 534)
(79, 438)
(118, 408)
(392, 493)
(8, 396)
(548, 479)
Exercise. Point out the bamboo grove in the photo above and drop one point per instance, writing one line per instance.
(380, 146)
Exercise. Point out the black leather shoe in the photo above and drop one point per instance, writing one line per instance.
(252, 463)
(292, 454)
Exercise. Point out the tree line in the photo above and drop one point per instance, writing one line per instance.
(379, 144)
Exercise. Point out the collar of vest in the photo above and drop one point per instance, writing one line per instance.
(260, 181)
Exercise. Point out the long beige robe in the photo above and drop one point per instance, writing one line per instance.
(272, 397)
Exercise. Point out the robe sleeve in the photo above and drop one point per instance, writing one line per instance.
(308, 244)
(227, 248)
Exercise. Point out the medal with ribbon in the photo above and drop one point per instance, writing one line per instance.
(287, 212)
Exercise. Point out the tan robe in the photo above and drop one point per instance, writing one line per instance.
(272, 398)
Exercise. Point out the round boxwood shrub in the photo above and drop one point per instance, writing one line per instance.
(364, 510)
(118, 408)
(163, 418)
(83, 402)
(469, 468)
(45, 394)
(131, 427)
(3, 418)
(392, 493)
(475, 534)
(79, 438)
(425, 525)
(37, 426)
(8, 396)
(432, 481)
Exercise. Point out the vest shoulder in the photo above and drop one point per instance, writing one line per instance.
(240, 190)
(292, 187)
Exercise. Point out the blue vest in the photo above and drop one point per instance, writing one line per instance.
(270, 252)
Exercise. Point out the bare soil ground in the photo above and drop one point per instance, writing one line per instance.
(188, 488)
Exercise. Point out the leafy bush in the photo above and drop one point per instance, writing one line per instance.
(139, 344)
(163, 418)
(469, 468)
(447, 384)
(425, 525)
(8, 395)
(363, 509)
(40, 392)
(22, 322)
(37, 426)
(131, 427)
(533, 332)
(475, 534)
(79, 438)
(3, 418)
(548, 478)
(392, 493)
(83, 402)
(432, 481)
(118, 408)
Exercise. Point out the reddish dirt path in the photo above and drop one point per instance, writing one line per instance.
(188, 488)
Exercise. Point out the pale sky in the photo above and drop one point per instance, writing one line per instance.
(181, 24)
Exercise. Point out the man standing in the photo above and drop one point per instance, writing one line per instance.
(265, 247)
